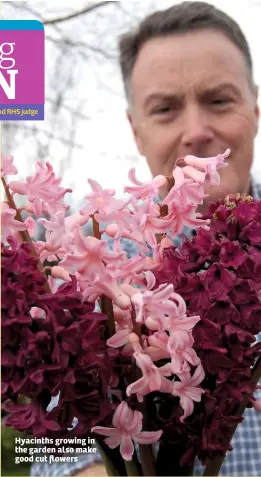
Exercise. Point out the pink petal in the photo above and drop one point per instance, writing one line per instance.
(214, 178)
(7, 166)
(159, 181)
(140, 386)
(159, 340)
(37, 207)
(164, 291)
(154, 381)
(49, 225)
(150, 237)
(156, 353)
(136, 424)
(76, 219)
(157, 324)
(198, 376)
(144, 362)
(147, 437)
(123, 415)
(132, 177)
(194, 393)
(126, 447)
(165, 370)
(31, 226)
(106, 431)
(197, 162)
(185, 323)
(257, 405)
(61, 273)
(166, 242)
(18, 187)
(166, 386)
(187, 404)
(191, 356)
(178, 175)
(118, 339)
(150, 279)
(96, 187)
(194, 174)
(128, 289)
(113, 441)
(112, 230)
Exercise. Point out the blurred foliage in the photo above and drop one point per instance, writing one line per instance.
(8, 466)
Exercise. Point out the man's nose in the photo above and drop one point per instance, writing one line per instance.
(197, 131)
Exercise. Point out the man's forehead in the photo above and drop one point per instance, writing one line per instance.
(194, 42)
(187, 56)
(176, 71)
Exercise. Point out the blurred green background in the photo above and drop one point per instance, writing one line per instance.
(8, 466)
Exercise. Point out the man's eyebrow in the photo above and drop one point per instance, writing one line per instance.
(162, 97)
(174, 97)
(221, 87)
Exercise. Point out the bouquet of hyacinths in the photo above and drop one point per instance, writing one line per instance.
(154, 355)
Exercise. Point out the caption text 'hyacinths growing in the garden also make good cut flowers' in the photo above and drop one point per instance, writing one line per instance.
(155, 355)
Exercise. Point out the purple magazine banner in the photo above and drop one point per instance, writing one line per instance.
(21, 70)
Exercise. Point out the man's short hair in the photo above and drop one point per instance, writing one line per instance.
(182, 18)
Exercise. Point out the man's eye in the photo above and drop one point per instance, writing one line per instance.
(162, 110)
(220, 101)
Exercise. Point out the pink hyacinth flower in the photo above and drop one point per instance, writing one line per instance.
(153, 377)
(120, 338)
(154, 303)
(184, 216)
(107, 285)
(31, 226)
(208, 165)
(36, 312)
(127, 271)
(184, 191)
(147, 222)
(100, 199)
(127, 428)
(60, 273)
(157, 348)
(187, 390)
(88, 256)
(42, 189)
(257, 405)
(60, 230)
(7, 166)
(180, 349)
(9, 224)
(196, 176)
(146, 190)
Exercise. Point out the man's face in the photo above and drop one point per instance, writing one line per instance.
(191, 95)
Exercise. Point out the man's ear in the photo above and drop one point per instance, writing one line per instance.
(135, 130)
(256, 108)
(257, 112)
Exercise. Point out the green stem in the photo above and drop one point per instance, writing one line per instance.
(96, 228)
(107, 309)
(133, 467)
(147, 460)
(109, 463)
(23, 233)
(106, 303)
